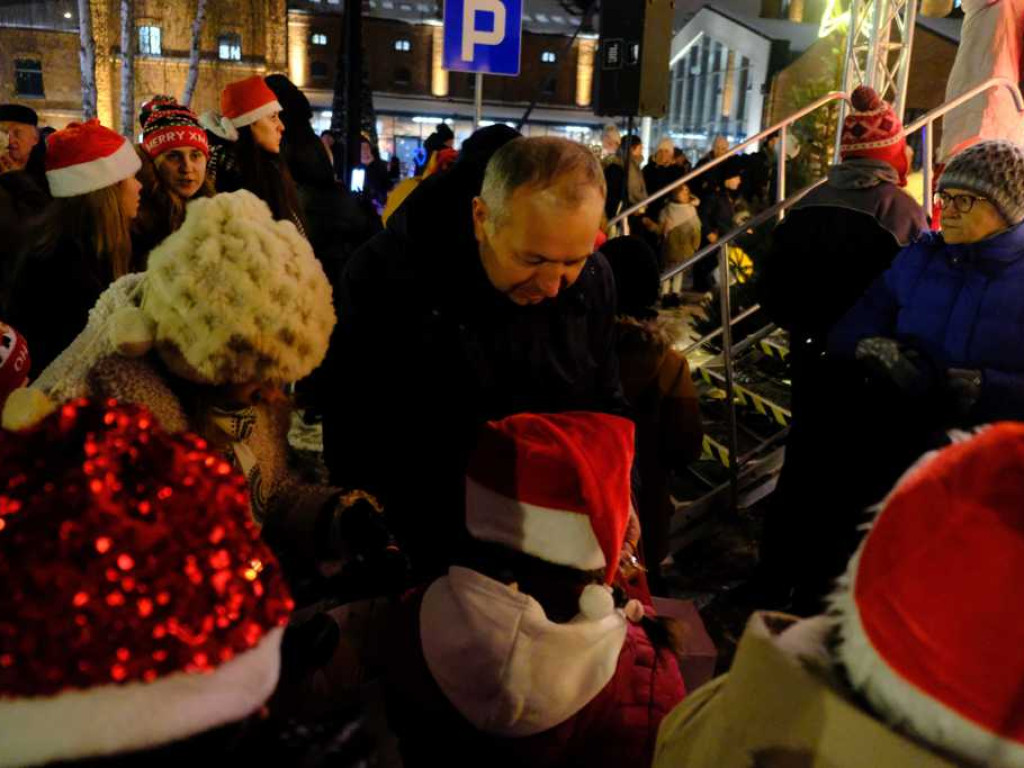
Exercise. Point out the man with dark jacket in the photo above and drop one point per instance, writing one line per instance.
(481, 299)
(830, 248)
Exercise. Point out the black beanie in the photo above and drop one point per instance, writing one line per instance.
(16, 113)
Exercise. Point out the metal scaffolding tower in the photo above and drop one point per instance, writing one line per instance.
(879, 41)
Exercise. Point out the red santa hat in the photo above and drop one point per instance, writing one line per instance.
(873, 130)
(85, 157)
(556, 487)
(14, 361)
(929, 611)
(139, 605)
(246, 101)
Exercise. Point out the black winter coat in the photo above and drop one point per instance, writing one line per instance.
(426, 350)
(51, 298)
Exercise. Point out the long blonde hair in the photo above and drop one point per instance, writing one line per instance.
(99, 216)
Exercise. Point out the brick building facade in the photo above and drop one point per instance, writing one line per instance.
(239, 38)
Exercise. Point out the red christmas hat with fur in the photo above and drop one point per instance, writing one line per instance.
(556, 487)
(929, 609)
(85, 157)
(139, 604)
(873, 130)
(243, 102)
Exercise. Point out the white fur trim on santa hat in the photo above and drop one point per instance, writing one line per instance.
(250, 117)
(904, 705)
(116, 719)
(553, 535)
(82, 178)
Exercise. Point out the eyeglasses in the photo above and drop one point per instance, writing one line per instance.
(963, 203)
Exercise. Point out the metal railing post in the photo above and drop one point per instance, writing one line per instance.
(780, 169)
(927, 169)
(730, 393)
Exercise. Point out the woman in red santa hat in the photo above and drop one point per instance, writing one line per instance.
(246, 147)
(84, 241)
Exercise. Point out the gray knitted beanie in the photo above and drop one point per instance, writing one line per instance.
(993, 169)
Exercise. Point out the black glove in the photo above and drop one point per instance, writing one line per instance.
(903, 367)
(361, 537)
(964, 388)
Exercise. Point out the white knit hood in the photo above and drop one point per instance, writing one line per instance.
(503, 664)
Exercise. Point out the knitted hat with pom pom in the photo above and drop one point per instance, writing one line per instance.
(167, 125)
(14, 361)
(140, 606)
(874, 131)
(556, 487)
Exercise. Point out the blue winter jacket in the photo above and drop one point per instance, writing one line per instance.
(961, 304)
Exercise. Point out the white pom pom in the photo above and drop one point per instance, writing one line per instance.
(596, 601)
(217, 124)
(26, 407)
(132, 331)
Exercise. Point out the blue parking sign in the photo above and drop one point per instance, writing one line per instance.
(483, 36)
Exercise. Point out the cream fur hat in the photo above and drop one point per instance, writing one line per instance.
(235, 296)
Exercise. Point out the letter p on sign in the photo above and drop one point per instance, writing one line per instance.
(473, 36)
(483, 36)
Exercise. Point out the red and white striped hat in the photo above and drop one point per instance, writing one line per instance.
(554, 486)
(85, 157)
(929, 610)
(246, 101)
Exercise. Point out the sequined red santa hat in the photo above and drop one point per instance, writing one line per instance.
(14, 361)
(139, 605)
(873, 130)
(929, 609)
(556, 487)
(85, 157)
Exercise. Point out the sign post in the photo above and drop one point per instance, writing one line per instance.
(484, 37)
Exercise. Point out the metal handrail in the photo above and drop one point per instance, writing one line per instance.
(924, 124)
(728, 321)
(781, 175)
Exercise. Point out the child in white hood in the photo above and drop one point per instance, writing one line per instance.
(522, 655)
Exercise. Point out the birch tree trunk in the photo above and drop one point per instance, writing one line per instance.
(127, 68)
(193, 54)
(87, 59)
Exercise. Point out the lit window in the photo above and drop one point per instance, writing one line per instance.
(318, 38)
(318, 69)
(229, 47)
(149, 41)
(28, 77)
(548, 57)
(403, 44)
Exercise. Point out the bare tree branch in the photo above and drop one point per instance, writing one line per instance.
(193, 55)
(87, 59)
(127, 68)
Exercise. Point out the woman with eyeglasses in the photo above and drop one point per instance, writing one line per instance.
(936, 342)
(945, 323)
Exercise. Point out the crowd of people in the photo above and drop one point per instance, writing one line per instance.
(502, 407)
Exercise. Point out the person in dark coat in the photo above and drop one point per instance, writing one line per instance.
(822, 258)
(522, 654)
(717, 215)
(336, 224)
(475, 302)
(657, 383)
(658, 174)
